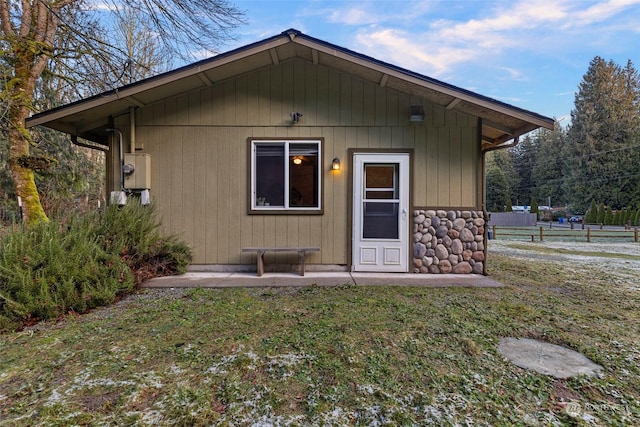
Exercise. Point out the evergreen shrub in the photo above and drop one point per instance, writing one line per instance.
(82, 262)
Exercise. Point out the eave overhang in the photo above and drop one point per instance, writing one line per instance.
(88, 118)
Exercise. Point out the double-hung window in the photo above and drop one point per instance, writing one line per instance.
(286, 175)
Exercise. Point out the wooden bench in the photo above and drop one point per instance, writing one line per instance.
(261, 251)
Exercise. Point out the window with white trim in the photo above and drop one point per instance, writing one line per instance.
(286, 175)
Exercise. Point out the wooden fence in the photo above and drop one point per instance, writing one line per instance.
(541, 233)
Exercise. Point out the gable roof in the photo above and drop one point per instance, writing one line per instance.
(88, 118)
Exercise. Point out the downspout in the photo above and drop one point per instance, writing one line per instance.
(516, 139)
(121, 156)
(132, 130)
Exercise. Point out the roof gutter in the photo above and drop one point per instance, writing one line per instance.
(516, 139)
(74, 141)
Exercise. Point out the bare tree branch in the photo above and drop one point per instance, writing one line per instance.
(5, 18)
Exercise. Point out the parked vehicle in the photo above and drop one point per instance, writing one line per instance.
(575, 218)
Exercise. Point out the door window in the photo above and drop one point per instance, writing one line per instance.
(380, 202)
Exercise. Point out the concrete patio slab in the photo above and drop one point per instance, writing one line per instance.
(249, 279)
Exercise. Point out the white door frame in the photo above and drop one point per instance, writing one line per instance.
(380, 216)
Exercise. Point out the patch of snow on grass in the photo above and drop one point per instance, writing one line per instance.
(152, 418)
(624, 270)
(176, 370)
(283, 363)
(150, 379)
(54, 399)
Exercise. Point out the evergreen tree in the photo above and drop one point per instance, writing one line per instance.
(502, 160)
(603, 150)
(497, 190)
(523, 158)
(602, 211)
(534, 206)
(509, 207)
(628, 218)
(592, 214)
(608, 216)
(548, 172)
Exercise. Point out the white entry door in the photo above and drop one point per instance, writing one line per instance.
(380, 212)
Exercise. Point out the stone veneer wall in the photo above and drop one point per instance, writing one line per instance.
(448, 241)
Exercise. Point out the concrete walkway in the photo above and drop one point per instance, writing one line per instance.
(248, 279)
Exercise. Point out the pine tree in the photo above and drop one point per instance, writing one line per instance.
(502, 160)
(548, 171)
(497, 189)
(592, 214)
(602, 210)
(628, 217)
(602, 150)
(608, 216)
(523, 158)
(534, 206)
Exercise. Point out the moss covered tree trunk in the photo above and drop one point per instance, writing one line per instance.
(28, 38)
(21, 97)
(23, 177)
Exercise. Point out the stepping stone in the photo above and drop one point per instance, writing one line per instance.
(546, 358)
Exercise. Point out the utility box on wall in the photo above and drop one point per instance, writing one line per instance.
(140, 177)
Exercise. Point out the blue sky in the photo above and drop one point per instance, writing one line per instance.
(531, 54)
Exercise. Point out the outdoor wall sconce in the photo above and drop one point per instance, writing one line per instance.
(295, 117)
(335, 164)
(416, 113)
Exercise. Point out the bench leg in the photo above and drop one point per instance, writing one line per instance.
(302, 257)
(260, 267)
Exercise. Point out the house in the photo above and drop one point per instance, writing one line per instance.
(295, 142)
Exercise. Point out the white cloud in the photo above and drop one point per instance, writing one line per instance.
(412, 52)
(103, 5)
(600, 12)
(513, 74)
(354, 15)
(506, 27)
(374, 12)
(526, 26)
